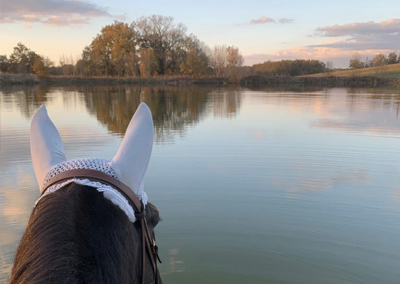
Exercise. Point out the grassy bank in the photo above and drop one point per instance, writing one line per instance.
(387, 71)
(326, 81)
(254, 80)
(18, 79)
(12, 79)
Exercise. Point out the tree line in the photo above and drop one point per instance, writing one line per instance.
(157, 46)
(23, 61)
(378, 60)
(149, 46)
(289, 67)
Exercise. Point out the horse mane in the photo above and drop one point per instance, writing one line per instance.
(75, 235)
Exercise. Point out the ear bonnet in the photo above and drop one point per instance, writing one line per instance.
(129, 165)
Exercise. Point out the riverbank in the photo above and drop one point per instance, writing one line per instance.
(390, 70)
(27, 79)
(328, 81)
(18, 79)
(249, 81)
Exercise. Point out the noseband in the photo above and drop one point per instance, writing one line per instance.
(148, 242)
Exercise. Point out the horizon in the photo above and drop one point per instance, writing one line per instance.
(262, 30)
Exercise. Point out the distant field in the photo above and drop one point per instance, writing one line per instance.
(392, 70)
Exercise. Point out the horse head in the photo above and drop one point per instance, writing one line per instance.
(92, 222)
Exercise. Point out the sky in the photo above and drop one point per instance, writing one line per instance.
(327, 30)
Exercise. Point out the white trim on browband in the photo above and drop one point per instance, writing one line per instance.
(108, 192)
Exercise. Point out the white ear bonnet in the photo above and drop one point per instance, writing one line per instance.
(129, 165)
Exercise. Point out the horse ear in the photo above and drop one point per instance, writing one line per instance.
(47, 149)
(133, 156)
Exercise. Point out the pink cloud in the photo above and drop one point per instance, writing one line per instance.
(268, 20)
(368, 28)
(51, 12)
(369, 38)
(262, 20)
(361, 36)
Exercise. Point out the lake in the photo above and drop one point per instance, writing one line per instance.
(284, 185)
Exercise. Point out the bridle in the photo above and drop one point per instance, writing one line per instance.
(148, 242)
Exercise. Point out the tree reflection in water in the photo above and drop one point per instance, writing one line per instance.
(174, 108)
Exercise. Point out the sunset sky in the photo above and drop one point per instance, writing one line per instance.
(262, 29)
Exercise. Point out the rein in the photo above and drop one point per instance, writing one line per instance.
(148, 243)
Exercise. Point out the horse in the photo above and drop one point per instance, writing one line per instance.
(92, 222)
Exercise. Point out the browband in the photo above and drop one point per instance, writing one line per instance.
(94, 175)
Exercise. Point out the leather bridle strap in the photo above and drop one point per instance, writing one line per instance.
(148, 243)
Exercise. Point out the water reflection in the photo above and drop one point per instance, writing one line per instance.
(27, 99)
(174, 109)
(316, 169)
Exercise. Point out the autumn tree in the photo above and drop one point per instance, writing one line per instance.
(355, 62)
(41, 66)
(392, 58)
(163, 36)
(112, 48)
(148, 62)
(379, 61)
(194, 59)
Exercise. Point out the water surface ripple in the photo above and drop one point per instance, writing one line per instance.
(254, 186)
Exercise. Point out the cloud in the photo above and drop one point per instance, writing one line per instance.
(28, 26)
(51, 12)
(391, 26)
(57, 21)
(360, 36)
(285, 21)
(368, 39)
(267, 20)
(262, 20)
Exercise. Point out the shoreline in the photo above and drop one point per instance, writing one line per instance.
(249, 81)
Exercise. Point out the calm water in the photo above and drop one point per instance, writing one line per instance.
(262, 186)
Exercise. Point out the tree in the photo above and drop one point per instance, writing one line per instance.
(67, 64)
(163, 36)
(3, 63)
(392, 58)
(329, 66)
(111, 49)
(22, 59)
(41, 66)
(234, 60)
(379, 61)
(148, 62)
(233, 57)
(218, 59)
(193, 57)
(355, 61)
(289, 67)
